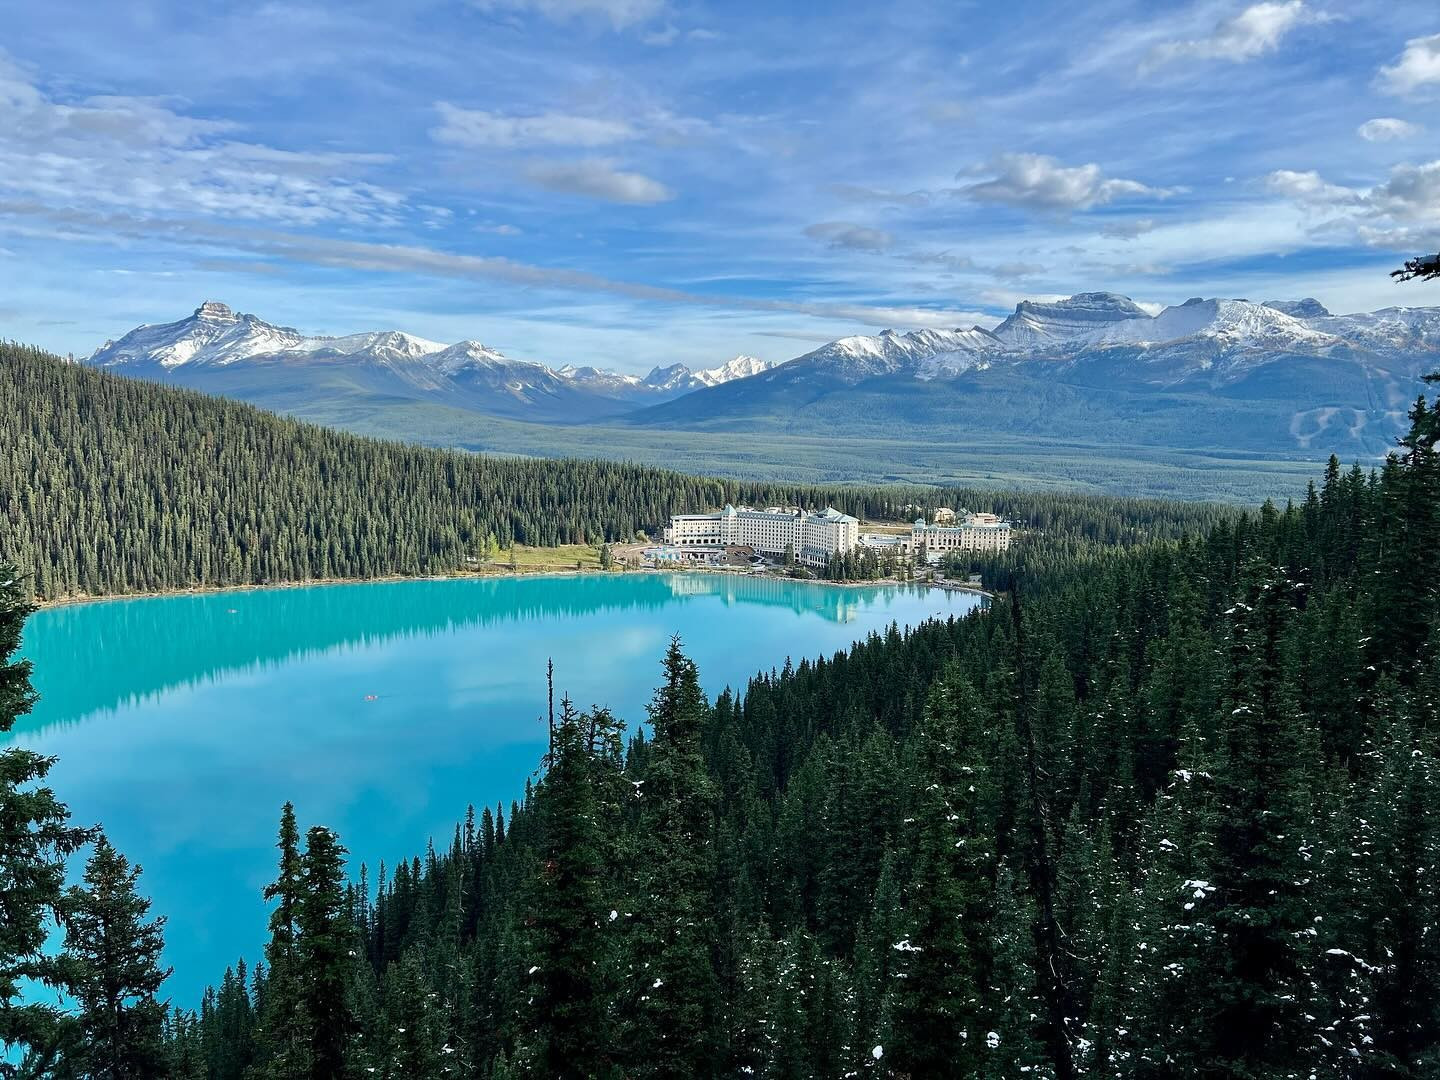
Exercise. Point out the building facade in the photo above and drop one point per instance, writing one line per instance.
(975, 532)
(811, 537)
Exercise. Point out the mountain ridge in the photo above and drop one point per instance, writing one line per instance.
(1218, 373)
(388, 363)
(1206, 374)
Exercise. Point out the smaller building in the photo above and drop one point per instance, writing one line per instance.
(944, 516)
(975, 533)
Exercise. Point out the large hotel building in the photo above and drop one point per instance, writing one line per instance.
(811, 537)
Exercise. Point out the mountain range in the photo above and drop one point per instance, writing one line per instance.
(240, 355)
(1280, 377)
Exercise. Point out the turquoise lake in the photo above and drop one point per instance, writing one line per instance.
(382, 710)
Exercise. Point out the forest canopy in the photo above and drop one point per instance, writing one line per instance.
(111, 485)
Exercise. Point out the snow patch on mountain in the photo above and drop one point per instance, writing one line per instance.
(1393, 329)
(928, 352)
(1308, 308)
(740, 367)
(1230, 323)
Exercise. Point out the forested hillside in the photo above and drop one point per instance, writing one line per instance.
(110, 485)
(1165, 811)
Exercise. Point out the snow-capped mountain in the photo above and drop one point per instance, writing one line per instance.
(1038, 322)
(662, 382)
(213, 335)
(741, 367)
(1285, 375)
(1217, 339)
(232, 353)
(1279, 376)
(918, 353)
(1197, 333)
(1232, 323)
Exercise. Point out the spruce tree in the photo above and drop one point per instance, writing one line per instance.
(281, 1045)
(35, 840)
(568, 1021)
(1262, 960)
(937, 1015)
(322, 954)
(112, 966)
(673, 985)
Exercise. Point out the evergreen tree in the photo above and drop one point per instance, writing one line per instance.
(673, 981)
(321, 953)
(281, 1047)
(938, 1017)
(35, 840)
(569, 1022)
(112, 966)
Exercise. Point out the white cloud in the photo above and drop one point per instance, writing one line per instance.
(142, 156)
(479, 128)
(1255, 31)
(662, 39)
(1127, 230)
(1402, 211)
(598, 179)
(941, 259)
(618, 13)
(859, 193)
(1309, 188)
(847, 235)
(413, 258)
(1387, 129)
(1039, 182)
(1411, 195)
(1416, 70)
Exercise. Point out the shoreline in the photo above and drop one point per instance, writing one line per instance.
(206, 590)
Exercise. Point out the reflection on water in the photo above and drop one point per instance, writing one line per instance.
(129, 649)
(183, 723)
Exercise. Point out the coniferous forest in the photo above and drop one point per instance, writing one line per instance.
(111, 485)
(1166, 808)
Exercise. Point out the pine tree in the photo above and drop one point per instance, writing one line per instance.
(35, 840)
(1404, 957)
(413, 1027)
(673, 982)
(876, 963)
(322, 950)
(281, 1050)
(184, 1047)
(112, 966)
(1262, 960)
(568, 1027)
(230, 1024)
(937, 1015)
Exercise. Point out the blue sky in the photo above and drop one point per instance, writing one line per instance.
(635, 182)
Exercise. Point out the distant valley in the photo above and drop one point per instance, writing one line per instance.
(1093, 378)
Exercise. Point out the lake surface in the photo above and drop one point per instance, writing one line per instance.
(382, 710)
